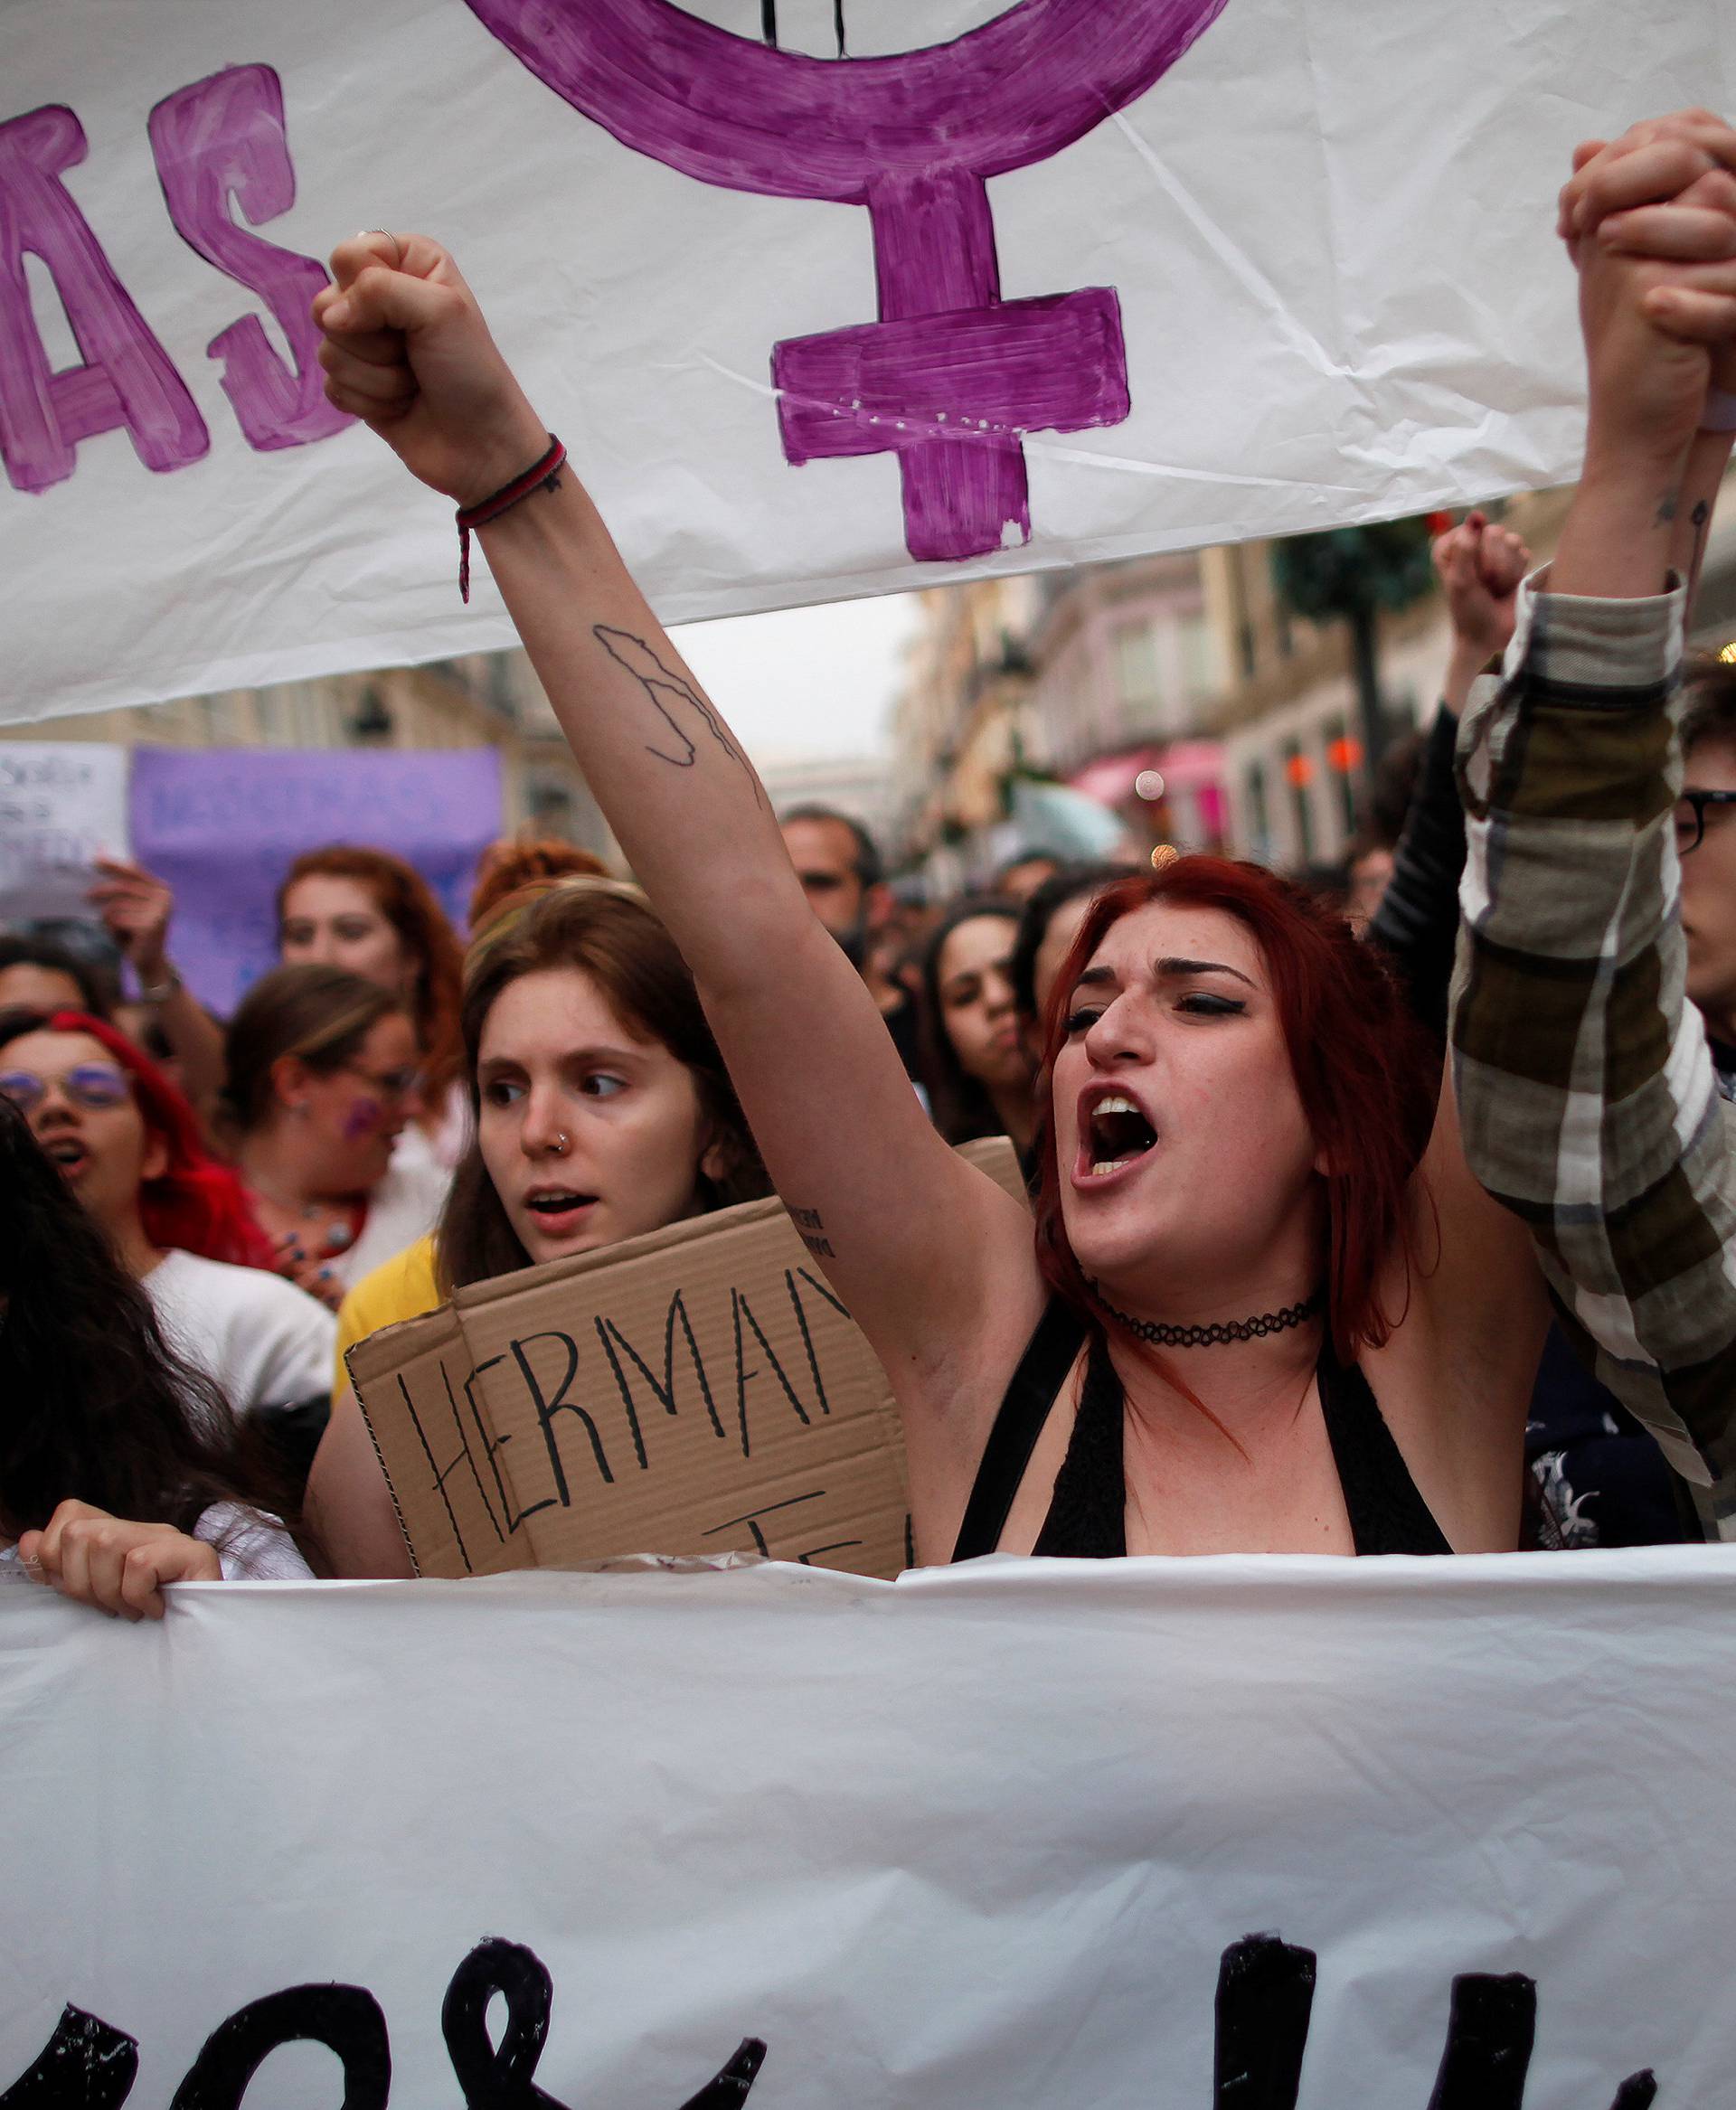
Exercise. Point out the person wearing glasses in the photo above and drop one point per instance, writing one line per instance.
(1597, 894)
(126, 1145)
(1706, 842)
(321, 1075)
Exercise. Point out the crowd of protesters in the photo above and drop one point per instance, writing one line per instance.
(1329, 1248)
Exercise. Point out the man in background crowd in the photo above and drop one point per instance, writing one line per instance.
(843, 877)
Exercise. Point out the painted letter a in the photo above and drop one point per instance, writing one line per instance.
(126, 378)
(225, 137)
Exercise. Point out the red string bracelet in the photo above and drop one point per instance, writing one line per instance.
(544, 474)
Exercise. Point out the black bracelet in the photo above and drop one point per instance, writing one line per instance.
(544, 474)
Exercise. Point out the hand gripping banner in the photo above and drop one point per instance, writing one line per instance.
(1251, 1833)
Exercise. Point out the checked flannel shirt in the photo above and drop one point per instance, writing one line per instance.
(1586, 1089)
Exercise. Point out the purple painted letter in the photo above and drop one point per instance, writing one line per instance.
(951, 378)
(126, 378)
(225, 137)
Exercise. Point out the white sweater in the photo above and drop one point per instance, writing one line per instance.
(266, 1342)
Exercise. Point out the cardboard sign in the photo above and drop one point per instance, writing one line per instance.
(61, 802)
(698, 1390)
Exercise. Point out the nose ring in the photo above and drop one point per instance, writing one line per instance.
(558, 1147)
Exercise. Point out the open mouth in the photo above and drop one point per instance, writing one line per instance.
(556, 1203)
(72, 1156)
(1115, 1133)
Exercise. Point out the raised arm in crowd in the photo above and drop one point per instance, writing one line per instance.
(1588, 1094)
(1265, 1307)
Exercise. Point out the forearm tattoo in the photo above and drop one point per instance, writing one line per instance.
(811, 1230)
(660, 681)
(1701, 514)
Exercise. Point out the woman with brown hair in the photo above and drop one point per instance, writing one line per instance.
(343, 906)
(321, 1071)
(603, 1111)
(368, 912)
(980, 1077)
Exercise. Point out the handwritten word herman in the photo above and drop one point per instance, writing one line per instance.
(1264, 1999)
(219, 139)
(589, 1406)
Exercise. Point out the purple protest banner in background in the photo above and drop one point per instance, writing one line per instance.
(222, 825)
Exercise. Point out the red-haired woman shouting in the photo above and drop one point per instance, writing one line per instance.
(128, 1146)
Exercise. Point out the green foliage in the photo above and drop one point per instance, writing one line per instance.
(1353, 571)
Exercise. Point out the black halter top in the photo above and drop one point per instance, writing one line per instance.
(1088, 1515)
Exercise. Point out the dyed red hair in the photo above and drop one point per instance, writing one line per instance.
(195, 1202)
(1364, 1073)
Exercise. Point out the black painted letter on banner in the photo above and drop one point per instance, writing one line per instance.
(84, 2066)
(344, 2018)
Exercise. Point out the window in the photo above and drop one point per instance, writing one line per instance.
(1199, 673)
(1344, 758)
(500, 685)
(1135, 664)
(1298, 774)
(1259, 813)
(1245, 649)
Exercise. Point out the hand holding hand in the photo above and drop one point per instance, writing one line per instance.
(406, 351)
(1480, 567)
(118, 1567)
(136, 907)
(1663, 197)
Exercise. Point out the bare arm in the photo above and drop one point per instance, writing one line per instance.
(348, 1506)
(909, 1234)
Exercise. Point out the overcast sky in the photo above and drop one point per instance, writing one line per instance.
(806, 682)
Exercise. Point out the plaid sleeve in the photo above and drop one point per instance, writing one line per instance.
(1587, 1094)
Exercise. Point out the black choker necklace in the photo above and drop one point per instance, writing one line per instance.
(1221, 1332)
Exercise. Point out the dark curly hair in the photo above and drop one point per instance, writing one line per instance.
(94, 1404)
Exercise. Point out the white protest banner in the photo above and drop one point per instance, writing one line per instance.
(61, 802)
(1035, 1835)
(1008, 285)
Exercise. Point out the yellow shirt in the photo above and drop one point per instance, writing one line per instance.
(402, 1288)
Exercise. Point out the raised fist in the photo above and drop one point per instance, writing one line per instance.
(406, 351)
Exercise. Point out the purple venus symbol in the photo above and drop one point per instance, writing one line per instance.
(951, 377)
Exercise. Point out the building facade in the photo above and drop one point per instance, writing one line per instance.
(1179, 691)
